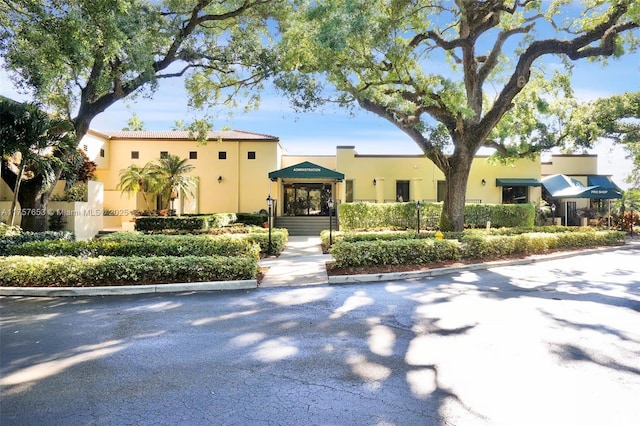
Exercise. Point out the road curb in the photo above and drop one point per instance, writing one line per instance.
(127, 290)
(394, 276)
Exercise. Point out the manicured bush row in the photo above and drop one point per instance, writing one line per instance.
(357, 216)
(256, 219)
(188, 223)
(472, 246)
(398, 252)
(279, 238)
(67, 271)
(382, 235)
(259, 236)
(390, 235)
(8, 242)
(143, 245)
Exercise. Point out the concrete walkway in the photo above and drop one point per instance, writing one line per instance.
(301, 263)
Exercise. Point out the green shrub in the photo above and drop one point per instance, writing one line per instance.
(279, 238)
(143, 245)
(9, 242)
(396, 252)
(255, 219)
(358, 216)
(72, 271)
(475, 246)
(183, 223)
(389, 248)
(9, 231)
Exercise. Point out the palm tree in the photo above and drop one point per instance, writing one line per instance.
(34, 151)
(138, 179)
(172, 172)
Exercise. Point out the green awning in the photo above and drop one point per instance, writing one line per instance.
(517, 182)
(602, 181)
(306, 170)
(561, 186)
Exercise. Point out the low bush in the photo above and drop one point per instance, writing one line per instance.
(142, 245)
(391, 249)
(395, 252)
(386, 235)
(279, 238)
(184, 223)
(8, 230)
(12, 240)
(255, 219)
(251, 234)
(358, 216)
(66, 271)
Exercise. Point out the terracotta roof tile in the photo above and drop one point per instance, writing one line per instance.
(182, 135)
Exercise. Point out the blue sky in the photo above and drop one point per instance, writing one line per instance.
(318, 133)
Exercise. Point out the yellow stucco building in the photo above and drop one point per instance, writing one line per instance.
(236, 171)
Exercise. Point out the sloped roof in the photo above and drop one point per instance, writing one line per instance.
(306, 170)
(562, 186)
(226, 135)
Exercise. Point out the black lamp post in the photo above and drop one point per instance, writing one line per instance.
(269, 204)
(418, 206)
(330, 205)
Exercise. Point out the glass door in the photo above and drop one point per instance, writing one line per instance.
(306, 199)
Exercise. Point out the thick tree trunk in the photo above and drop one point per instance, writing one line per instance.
(33, 205)
(33, 198)
(457, 175)
(16, 191)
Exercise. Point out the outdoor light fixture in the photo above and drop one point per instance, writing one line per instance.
(374, 182)
(418, 207)
(219, 179)
(484, 182)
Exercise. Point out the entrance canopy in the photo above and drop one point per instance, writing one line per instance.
(562, 186)
(517, 182)
(305, 170)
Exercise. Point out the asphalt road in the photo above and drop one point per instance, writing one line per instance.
(553, 343)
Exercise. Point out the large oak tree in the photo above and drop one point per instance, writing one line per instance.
(79, 57)
(450, 74)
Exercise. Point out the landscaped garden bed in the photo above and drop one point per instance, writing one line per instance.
(135, 258)
(400, 251)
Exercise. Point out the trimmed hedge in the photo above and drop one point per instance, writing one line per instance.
(67, 271)
(354, 216)
(471, 246)
(398, 252)
(279, 238)
(10, 241)
(187, 223)
(142, 245)
(256, 219)
(255, 235)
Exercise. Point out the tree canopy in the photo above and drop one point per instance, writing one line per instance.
(454, 76)
(81, 56)
(35, 149)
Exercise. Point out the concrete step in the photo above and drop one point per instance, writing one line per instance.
(305, 225)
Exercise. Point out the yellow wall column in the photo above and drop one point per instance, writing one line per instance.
(379, 190)
(341, 191)
(416, 189)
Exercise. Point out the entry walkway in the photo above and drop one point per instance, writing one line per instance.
(300, 263)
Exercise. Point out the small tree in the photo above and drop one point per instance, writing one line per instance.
(135, 179)
(172, 175)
